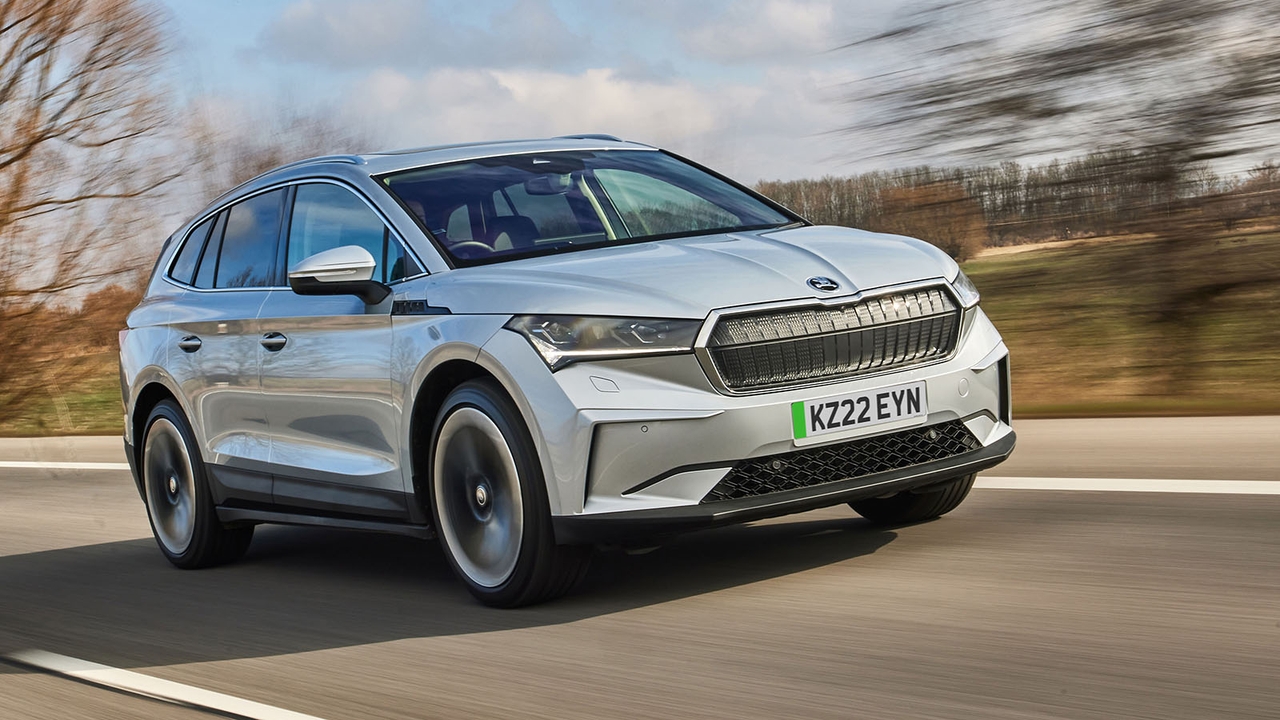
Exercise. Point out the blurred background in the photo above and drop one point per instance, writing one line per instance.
(1105, 170)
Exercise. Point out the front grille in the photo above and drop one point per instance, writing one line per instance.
(787, 347)
(843, 461)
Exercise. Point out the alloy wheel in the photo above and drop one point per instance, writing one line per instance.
(170, 485)
(478, 497)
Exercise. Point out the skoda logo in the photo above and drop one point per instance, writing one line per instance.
(825, 284)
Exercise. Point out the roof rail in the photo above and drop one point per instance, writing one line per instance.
(451, 146)
(590, 136)
(348, 159)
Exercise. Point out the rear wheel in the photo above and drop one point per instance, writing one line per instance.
(909, 507)
(179, 504)
(489, 502)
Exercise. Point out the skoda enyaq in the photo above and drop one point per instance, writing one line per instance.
(528, 349)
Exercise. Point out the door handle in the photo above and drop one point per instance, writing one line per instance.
(189, 344)
(274, 341)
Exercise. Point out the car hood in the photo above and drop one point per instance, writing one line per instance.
(689, 277)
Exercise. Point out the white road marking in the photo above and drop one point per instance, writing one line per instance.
(38, 465)
(1212, 487)
(147, 686)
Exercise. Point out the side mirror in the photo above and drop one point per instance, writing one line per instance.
(346, 270)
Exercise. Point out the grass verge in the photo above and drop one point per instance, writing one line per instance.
(1082, 330)
(89, 406)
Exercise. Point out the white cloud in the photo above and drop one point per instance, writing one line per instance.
(453, 104)
(409, 34)
(339, 32)
(744, 85)
(761, 30)
(751, 131)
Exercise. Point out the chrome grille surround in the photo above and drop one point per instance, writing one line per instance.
(765, 349)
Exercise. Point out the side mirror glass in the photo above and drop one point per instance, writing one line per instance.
(346, 270)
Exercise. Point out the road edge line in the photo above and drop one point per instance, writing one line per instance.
(42, 465)
(154, 688)
(1141, 485)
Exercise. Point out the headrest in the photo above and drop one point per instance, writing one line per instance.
(512, 232)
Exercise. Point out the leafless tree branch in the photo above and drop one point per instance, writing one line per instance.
(80, 110)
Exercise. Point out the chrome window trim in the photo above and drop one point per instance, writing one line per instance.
(382, 174)
(193, 224)
(192, 288)
(703, 353)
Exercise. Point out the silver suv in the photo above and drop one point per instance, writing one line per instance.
(529, 349)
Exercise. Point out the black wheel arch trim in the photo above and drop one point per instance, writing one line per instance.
(134, 470)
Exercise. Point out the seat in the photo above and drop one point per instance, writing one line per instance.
(513, 232)
(416, 208)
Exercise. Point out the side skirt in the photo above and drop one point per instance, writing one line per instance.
(241, 515)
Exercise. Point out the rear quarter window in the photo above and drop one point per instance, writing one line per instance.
(209, 258)
(184, 266)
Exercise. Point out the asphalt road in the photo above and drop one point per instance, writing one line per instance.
(1020, 604)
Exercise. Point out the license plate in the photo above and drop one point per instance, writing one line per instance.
(810, 418)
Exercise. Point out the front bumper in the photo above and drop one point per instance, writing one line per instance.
(133, 468)
(634, 447)
(639, 524)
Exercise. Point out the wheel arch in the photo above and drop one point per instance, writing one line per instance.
(149, 389)
(146, 384)
(427, 401)
(429, 396)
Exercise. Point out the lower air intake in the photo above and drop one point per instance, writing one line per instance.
(843, 461)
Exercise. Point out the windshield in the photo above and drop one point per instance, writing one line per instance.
(502, 208)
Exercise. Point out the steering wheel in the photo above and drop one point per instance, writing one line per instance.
(469, 249)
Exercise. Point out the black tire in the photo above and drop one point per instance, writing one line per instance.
(909, 507)
(176, 493)
(537, 569)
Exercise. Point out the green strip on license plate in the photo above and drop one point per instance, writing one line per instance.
(797, 419)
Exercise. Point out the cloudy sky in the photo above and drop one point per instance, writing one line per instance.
(751, 87)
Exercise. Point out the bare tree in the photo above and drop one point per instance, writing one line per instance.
(79, 112)
(228, 148)
(1182, 81)
(921, 202)
(941, 213)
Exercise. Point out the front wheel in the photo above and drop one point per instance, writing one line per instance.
(489, 502)
(910, 507)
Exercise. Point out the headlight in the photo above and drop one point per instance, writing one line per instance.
(565, 339)
(965, 288)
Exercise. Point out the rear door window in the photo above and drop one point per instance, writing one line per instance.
(248, 255)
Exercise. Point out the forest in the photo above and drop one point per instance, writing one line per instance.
(965, 209)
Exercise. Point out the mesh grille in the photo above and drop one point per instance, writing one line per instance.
(785, 347)
(843, 461)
